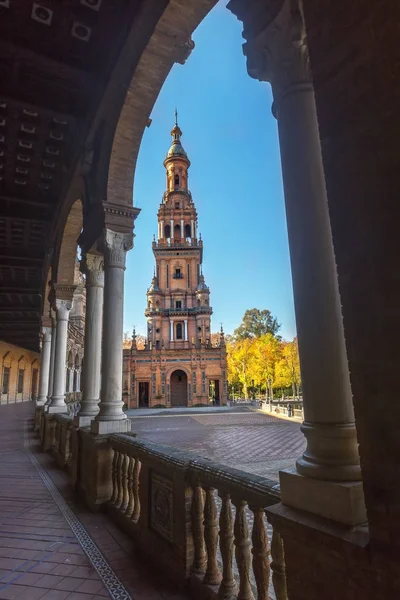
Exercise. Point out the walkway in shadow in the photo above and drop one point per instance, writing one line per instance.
(50, 546)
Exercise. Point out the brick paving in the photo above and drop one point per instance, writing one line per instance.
(40, 557)
(245, 439)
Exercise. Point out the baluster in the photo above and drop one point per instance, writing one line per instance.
(68, 453)
(200, 554)
(136, 473)
(278, 566)
(242, 551)
(119, 480)
(124, 481)
(212, 575)
(115, 477)
(260, 553)
(131, 499)
(228, 587)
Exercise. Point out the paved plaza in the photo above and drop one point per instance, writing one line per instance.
(243, 438)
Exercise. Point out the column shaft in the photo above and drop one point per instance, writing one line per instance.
(279, 55)
(111, 417)
(93, 267)
(44, 366)
(57, 403)
(52, 357)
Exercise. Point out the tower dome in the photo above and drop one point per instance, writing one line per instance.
(176, 150)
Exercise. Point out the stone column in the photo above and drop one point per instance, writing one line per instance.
(52, 355)
(192, 229)
(70, 379)
(92, 266)
(162, 230)
(78, 379)
(278, 54)
(171, 331)
(57, 404)
(186, 330)
(182, 229)
(111, 418)
(44, 366)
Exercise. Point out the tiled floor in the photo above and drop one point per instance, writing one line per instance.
(40, 555)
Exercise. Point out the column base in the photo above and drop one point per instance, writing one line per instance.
(331, 453)
(52, 410)
(83, 421)
(339, 501)
(106, 427)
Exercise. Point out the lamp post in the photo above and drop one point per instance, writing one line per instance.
(270, 396)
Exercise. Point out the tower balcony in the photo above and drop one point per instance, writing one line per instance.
(178, 312)
(165, 243)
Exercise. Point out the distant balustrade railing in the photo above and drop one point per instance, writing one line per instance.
(211, 516)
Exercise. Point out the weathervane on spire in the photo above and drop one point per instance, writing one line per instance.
(176, 117)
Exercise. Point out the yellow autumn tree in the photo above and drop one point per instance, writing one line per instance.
(267, 351)
(288, 367)
(241, 363)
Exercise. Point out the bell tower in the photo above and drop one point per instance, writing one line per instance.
(180, 363)
(178, 299)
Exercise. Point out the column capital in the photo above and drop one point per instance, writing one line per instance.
(46, 334)
(62, 309)
(92, 265)
(116, 244)
(276, 52)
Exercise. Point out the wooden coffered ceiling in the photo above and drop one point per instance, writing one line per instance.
(57, 57)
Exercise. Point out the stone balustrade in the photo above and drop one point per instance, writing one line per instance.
(203, 522)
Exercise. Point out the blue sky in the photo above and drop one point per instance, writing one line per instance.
(235, 178)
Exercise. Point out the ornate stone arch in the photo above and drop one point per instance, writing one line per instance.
(170, 42)
(65, 256)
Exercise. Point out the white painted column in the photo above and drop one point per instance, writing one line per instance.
(186, 330)
(279, 55)
(52, 356)
(162, 230)
(192, 235)
(70, 379)
(171, 223)
(92, 265)
(111, 417)
(182, 229)
(78, 379)
(171, 331)
(44, 366)
(57, 404)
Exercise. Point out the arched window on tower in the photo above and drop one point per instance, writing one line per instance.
(176, 180)
(179, 332)
(177, 232)
(167, 231)
(187, 231)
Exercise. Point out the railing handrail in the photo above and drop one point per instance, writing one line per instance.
(255, 489)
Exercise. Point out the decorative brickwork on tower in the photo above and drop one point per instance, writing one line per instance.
(178, 366)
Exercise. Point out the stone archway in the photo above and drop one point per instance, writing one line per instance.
(179, 388)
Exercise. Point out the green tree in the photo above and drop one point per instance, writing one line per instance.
(256, 323)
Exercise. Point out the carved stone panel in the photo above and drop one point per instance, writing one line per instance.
(161, 509)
